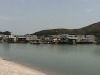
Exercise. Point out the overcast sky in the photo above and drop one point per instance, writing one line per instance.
(29, 16)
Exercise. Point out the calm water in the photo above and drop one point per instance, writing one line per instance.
(63, 59)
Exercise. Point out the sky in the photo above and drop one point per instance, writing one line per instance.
(29, 16)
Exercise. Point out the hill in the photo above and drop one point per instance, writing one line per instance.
(52, 32)
(93, 29)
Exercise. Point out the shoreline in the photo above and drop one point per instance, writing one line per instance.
(11, 68)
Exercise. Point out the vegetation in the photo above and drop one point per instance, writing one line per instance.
(52, 32)
(6, 33)
(93, 29)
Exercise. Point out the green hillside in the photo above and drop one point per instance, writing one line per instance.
(53, 32)
(93, 29)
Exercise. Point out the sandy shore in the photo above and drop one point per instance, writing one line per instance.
(10, 68)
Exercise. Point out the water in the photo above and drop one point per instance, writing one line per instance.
(61, 59)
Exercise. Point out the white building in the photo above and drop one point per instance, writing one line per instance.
(30, 37)
(90, 38)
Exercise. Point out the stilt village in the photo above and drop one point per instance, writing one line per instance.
(50, 39)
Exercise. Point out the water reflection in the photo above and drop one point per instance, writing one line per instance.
(6, 47)
(72, 59)
(97, 50)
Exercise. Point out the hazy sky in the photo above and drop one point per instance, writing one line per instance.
(29, 16)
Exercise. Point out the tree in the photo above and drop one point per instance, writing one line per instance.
(7, 33)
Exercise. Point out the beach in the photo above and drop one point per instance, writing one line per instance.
(11, 68)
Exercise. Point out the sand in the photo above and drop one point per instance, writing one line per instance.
(11, 68)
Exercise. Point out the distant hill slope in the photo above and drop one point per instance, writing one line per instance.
(53, 32)
(91, 29)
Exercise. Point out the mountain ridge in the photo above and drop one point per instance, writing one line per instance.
(93, 29)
